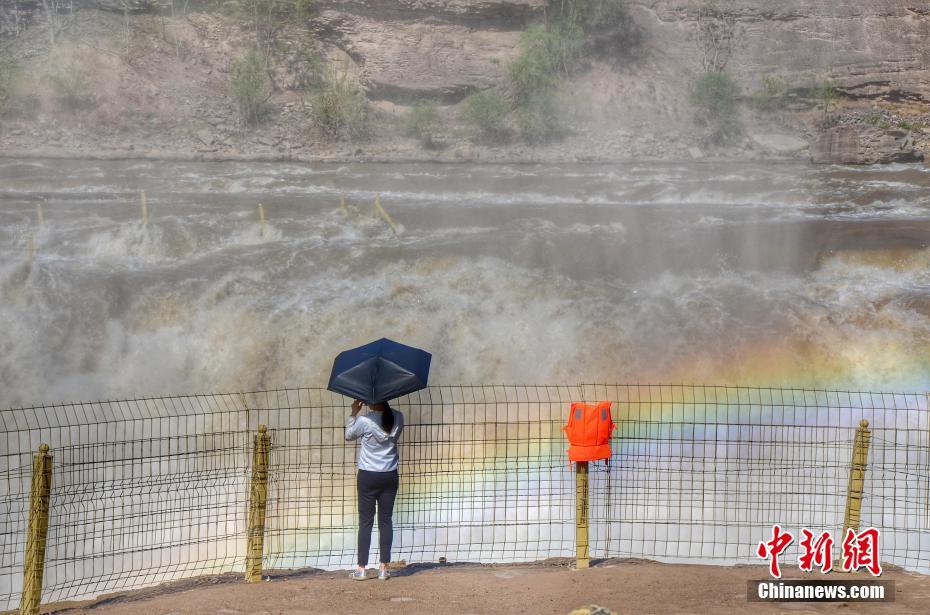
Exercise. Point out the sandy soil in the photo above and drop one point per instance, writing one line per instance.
(627, 587)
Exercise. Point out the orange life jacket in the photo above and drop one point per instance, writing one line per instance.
(588, 430)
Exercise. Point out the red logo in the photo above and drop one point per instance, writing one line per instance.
(819, 552)
(773, 548)
(861, 551)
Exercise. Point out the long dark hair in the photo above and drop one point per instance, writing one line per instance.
(387, 422)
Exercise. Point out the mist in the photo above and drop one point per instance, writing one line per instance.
(781, 275)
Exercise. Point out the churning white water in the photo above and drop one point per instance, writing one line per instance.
(760, 274)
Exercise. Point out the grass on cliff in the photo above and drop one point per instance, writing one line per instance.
(339, 107)
(774, 95)
(547, 55)
(550, 53)
(424, 123)
(826, 96)
(486, 112)
(251, 86)
(715, 96)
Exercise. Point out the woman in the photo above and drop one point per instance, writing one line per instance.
(377, 478)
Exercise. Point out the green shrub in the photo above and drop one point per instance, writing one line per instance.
(551, 52)
(308, 68)
(251, 86)
(486, 111)
(546, 55)
(715, 96)
(339, 107)
(532, 70)
(773, 95)
(563, 45)
(825, 96)
(423, 123)
(541, 118)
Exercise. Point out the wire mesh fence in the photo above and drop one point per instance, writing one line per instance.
(151, 490)
(704, 472)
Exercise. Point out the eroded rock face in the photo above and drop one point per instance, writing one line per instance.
(446, 47)
(871, 49)
(435, 48)
(879, 146)
(856, 145)
(836, 146)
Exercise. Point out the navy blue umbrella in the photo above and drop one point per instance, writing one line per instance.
(380, 371)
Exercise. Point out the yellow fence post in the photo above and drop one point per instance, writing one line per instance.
(144, 202)
(261, 220)
(582, 556)
(37, 535)
(40, 217)
(258, 497)
(857, 477)
(342, 203)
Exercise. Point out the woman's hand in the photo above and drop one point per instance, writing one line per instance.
(356, 407)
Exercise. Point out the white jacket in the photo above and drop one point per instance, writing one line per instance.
(379, 449)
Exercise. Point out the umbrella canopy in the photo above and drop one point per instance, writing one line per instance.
(380, 371)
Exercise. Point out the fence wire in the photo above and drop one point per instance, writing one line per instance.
(151, 490)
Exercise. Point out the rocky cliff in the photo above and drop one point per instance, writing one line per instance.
(875, 52)
(435, 48)
(875, 48)
(871, 49)
(633, 104)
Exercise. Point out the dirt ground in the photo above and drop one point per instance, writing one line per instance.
(627, 587)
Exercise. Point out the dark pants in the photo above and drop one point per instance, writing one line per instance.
(380, 487)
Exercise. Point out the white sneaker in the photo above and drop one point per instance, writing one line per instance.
(359, 575)
(384, 575)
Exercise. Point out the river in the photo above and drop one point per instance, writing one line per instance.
(717, 273)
